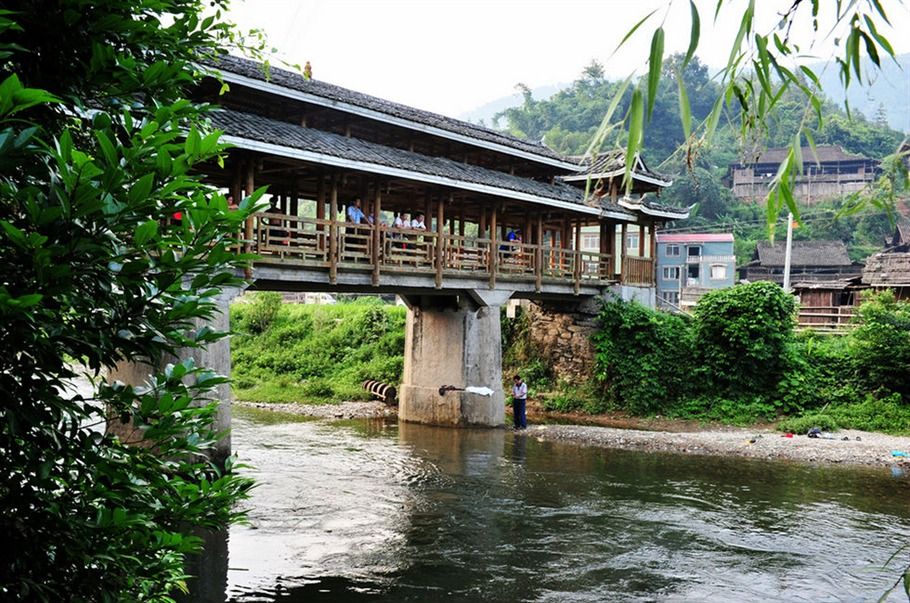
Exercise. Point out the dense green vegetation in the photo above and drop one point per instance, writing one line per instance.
(98, 145)
(314, 353)
(568, 120)
(738, 360)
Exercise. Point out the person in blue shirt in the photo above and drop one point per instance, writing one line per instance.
(356, 215)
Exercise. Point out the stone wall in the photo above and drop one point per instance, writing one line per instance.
(562, 332)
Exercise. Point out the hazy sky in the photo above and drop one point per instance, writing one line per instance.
(451, 56)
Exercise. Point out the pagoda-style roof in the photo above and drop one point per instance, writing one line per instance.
(612, 164)
(279, 138)
(235, 70)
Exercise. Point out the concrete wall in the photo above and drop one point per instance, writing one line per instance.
(451, 340)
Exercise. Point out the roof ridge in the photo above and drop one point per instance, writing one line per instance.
(250, 68)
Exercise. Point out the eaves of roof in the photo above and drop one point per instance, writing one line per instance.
(258, 133)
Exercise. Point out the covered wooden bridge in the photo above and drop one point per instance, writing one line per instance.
(502, 217)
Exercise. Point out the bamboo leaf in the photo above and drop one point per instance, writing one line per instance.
(655, 62)
(636, 129)
(882, 40)
(871, 50)
(694, 33)
(632, 31)
(605, 125)
(685, 111)
(744, 27)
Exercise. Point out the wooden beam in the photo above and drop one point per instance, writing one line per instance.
(377, 240)
(641, 240)
(333, 231)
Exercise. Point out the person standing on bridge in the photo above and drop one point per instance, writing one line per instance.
(519, 403)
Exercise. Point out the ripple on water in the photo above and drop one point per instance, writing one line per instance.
(360, 511)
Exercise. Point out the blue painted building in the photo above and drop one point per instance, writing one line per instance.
(689, 265)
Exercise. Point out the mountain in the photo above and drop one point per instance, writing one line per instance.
(889, 92)
(484, 113)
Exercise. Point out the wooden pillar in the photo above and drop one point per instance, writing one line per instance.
(461, 220)
(295, 197)
(653, 230)
(320, 209)
(236, 182)
(250, 187)
(482, 233)
(428, 213)
(641, 240)
(538, 254)
(494, 247)
(377, 235)
(622, 247)
(440, 239)
(577, 256)
(333, 231)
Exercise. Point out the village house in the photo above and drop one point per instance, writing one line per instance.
(689, 265)
(810, 261)
(828, 172)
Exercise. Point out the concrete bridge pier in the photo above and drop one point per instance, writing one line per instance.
(453, 340)
(215, 356)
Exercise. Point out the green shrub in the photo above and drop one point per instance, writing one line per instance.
(804, 423)
(642, 357)
(262, 311)
(889, 415)
(880, 345)
(741, 337)
(318, 353)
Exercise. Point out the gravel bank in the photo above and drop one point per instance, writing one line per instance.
(345, 410)
(861, 448)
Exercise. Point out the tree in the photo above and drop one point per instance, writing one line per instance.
(97, 149)
(762, 68)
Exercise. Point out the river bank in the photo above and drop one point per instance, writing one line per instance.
(847, 447)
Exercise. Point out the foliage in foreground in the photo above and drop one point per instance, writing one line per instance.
(97, 148)
(738, 361)
(314, 353)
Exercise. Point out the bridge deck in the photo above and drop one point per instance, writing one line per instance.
(332, 248)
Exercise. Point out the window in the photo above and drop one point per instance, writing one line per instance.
(718, 272)
(590, 241)
(692, 275)
(693, 251)
(670, 297)
(632, 240)
(671, 273)
(672, 251)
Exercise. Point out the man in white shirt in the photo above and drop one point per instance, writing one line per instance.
(417, 223)
(519, 403)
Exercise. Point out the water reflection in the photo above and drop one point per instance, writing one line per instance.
(369, 510)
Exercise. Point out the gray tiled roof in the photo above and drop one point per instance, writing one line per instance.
(262, 129)
(804, 253)
(294, 81)
(614, 161)
(824, 153)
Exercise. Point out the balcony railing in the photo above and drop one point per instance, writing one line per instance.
(341, 246)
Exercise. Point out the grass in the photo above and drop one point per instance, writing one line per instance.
(886, 415)
(315, 354)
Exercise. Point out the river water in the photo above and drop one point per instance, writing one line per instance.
(370, 510)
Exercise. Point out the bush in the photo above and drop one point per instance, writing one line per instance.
(642, 357)
(741, 337)
(803, 424)
(317, 354)
(261, 312)
(880, 345)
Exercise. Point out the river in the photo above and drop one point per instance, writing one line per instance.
(371, 510)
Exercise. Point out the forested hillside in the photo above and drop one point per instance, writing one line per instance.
(567, 120)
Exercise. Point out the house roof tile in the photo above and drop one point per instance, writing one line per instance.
(287, 79)
(803, 253)
(719, 237)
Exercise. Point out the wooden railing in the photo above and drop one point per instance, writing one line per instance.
(310, 242)
(637, 271)
(826, 319)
